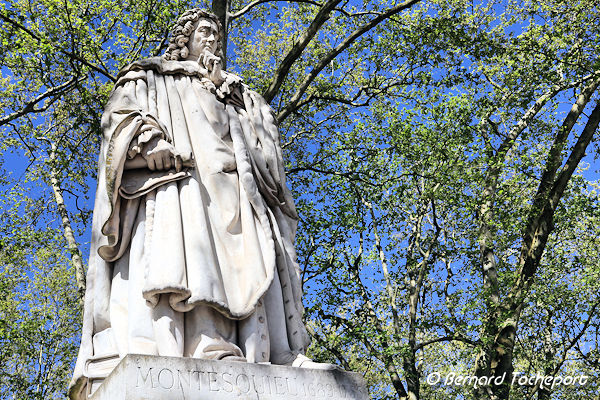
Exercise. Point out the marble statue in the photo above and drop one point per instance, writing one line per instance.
(192, 251)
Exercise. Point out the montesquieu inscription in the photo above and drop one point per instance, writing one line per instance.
(245, 383)
(144, 377)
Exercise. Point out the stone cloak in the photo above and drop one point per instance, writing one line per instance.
(233, 142)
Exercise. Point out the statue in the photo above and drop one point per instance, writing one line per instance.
(193, 231)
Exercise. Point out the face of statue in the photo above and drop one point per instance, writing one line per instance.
(204, 38)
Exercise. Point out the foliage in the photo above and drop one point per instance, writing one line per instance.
(39, 315)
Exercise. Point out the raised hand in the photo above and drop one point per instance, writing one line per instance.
(213, 64)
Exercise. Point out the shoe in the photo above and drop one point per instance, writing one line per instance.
(302, 361)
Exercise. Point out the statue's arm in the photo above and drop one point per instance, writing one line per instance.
(151, 148)
(135, 133)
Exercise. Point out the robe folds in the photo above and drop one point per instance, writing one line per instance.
(217, 235)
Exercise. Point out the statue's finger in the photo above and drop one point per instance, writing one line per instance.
(167, 161)
(212, 61)
(151, 163)
(178, 163)
(159, 162)
(146, 127)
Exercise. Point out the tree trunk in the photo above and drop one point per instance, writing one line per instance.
(539, 228)
(549, 351)
(501, 361)
(221, 9)
(72, 246)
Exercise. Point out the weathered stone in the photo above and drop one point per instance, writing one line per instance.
(142, 377)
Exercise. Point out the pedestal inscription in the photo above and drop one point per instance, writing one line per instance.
(140, 377)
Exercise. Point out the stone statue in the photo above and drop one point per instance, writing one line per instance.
(192, 251)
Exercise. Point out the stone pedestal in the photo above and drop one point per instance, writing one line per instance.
(141, 377)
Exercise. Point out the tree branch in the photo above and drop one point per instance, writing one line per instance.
(30, 106)
(255, 3)
(391, 291)
(388, 360)
(550, 190)
(565, 351)
(295, 100)
(330, 349)
(65, 52)
(20, 26)
(539, 227)
(451, 338)
(69, 236)
(526, 119)
(297, 49)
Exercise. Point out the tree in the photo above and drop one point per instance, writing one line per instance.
(487, 194)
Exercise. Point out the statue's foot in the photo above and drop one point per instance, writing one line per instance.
(219, 349)
(302, 361)
(234, 358)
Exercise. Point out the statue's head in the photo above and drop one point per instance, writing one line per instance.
(192, 31)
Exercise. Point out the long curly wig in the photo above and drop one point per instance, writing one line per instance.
(181, 32)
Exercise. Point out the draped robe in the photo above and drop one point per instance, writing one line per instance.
(216, 235)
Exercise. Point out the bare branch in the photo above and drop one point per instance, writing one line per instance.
(255, 3)
(451, 338)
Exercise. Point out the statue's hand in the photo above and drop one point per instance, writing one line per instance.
(213, 64)
(161, 155)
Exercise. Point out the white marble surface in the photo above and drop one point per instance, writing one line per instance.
(141, 377)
